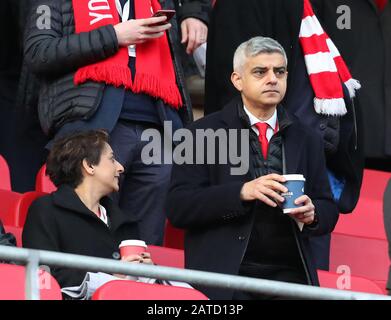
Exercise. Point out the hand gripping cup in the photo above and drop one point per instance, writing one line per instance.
(130, 247)
(295, 185)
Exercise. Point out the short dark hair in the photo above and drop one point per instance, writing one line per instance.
(65, 159)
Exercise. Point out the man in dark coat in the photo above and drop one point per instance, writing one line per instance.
(232, 222)
(233, 22)
(361, 29)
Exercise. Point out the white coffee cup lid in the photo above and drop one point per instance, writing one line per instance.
(290, 177)
(138, 243)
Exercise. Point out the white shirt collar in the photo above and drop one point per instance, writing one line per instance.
(271, 122)
(103, 214)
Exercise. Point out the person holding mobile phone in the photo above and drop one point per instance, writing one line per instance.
(111, 66)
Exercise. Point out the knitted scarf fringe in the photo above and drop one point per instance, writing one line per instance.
(330, 107)
(353, 85)
(115, 75)
(157, 88)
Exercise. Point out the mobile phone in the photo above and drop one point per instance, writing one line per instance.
(168, 13)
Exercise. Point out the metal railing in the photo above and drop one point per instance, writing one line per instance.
(296, 291)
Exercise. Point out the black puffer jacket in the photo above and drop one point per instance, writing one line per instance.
(55, 54)
(6, 239)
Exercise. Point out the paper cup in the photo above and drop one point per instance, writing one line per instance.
(129, 247)
(295, 185)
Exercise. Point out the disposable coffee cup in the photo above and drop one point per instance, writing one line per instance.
(130, 247)
(295, 185)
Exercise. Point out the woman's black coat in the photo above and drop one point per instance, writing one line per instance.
(61, 222)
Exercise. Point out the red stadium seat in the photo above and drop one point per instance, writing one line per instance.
(367, 218)
(10, 206)
(366, 257)
(12, 284)
(17, 232)
(167, 257)
(5, 178)
(14, 206)
(374, 183)
(131, 290)
(365, 221)
(27, 199)
(173, 237)
(345, 282)
(43, 182)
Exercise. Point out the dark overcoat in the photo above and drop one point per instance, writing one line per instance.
(204, 199)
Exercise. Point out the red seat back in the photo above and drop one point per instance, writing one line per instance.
(10, 203)
(12, 284)
(43, 182)
(367, 218)
(366, 257)
(14, 206)
(167, 257)
(346, 282)
(5, 177)
(131, 290)
(173, 237)
(374, 184)
(27, 200)
(365, 221)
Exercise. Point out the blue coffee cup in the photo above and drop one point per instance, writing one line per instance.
(295, 185)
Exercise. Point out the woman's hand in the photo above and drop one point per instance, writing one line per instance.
(144, 257)
(140, 30)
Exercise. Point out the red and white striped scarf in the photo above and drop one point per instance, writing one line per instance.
(325, 66)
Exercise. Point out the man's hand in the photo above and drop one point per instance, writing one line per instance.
(140, 30)
(194, 33)
(305, 213)
(265, 189)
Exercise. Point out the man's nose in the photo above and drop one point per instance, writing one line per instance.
(271, 77)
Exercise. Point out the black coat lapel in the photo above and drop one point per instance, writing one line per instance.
(293, 151)
(231, 119)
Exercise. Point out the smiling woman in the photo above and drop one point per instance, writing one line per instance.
(79, 218)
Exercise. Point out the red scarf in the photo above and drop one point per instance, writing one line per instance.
(325, 66)
(155, 74)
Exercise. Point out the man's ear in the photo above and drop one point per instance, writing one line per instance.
(87, 167)
(236, 80)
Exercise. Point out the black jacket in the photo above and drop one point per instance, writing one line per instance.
(6, 239)
(54, 55)
(233, 22)
(204, 200)
(61, 222)
(366, 48)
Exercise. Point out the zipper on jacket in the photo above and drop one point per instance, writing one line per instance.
(293, 223)
(307, 274)
(355, 125)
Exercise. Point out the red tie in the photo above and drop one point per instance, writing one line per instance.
(381, 4)
(262, 128)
